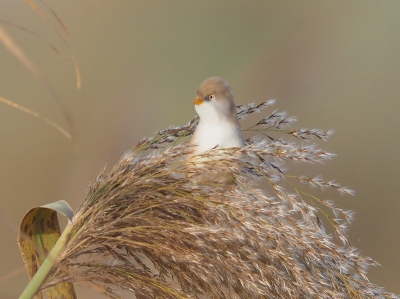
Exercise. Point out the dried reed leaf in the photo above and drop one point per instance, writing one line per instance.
(39, 232)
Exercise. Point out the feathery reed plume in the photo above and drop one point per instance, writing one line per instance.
(147, 227)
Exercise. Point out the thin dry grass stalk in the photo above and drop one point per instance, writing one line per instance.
(9, 43)
(147, 227)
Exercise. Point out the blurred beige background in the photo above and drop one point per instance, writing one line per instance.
(333, 64)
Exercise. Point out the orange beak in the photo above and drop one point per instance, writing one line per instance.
(198, 101)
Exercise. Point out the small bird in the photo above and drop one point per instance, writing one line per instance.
(218, 125)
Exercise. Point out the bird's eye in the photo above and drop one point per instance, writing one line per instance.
(211, 96)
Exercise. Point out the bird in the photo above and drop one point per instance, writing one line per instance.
(218, 125)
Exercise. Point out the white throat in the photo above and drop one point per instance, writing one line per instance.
(215, 129)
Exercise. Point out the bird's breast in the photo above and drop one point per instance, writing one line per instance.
(224, 135)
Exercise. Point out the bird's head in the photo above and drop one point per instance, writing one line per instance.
(214, 101)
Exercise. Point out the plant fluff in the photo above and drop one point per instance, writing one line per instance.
(148, 227)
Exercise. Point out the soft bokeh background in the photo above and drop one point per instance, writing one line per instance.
(333, 64)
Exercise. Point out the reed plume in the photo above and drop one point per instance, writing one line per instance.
(147, 227)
